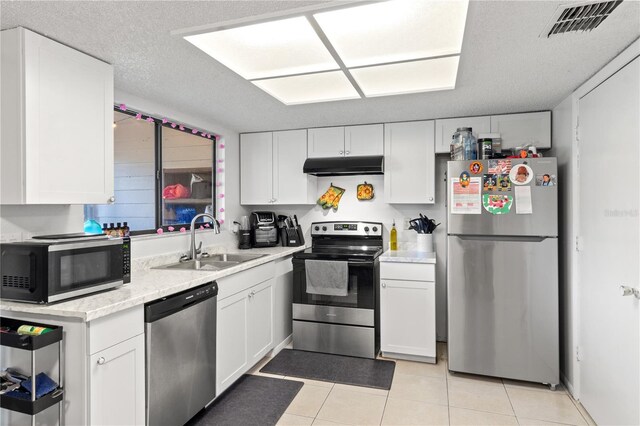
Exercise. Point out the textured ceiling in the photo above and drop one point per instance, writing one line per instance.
(505, 66)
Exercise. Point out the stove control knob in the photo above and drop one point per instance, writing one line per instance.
(324, 228)
(317, 228)
(375, 229)
(366, 229)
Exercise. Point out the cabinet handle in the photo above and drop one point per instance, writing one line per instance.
(112, 199)
(430, 198)
(101, 360)
(341, 152)
(384, 285)
(347, 152)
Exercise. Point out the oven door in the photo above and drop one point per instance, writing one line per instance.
(85, 267)
(362, 286)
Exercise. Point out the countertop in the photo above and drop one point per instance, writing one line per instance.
(408, 256)
(146, 285)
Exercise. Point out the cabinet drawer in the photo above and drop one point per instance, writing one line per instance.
(408, 271)
(110, 330)
(235, 283)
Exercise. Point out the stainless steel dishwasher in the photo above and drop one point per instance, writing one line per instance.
(180, 334)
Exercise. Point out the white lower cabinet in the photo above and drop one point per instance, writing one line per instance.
(408, 311)
(117, 378)
(244, 332)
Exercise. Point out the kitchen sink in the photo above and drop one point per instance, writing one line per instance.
(214, 262)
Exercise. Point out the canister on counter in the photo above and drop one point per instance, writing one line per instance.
(486, 148)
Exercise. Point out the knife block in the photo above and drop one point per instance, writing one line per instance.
(292, 237)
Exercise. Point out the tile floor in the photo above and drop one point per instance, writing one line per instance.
(427, 394)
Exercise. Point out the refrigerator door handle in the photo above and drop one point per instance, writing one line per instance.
(501, 238)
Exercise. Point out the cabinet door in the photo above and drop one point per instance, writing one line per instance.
(447, 127)
(409, 162)
(231, 342)
(290, 184)
(68, 124)
(408, 317)
(364, 140)
(325, 142)
(117, 377)
(256, 168)
(518, 130)
(260, 321)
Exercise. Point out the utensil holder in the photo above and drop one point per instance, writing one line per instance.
(424, 243)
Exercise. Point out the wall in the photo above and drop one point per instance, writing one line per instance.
(19, 222)
(377, 210)
(562, 143)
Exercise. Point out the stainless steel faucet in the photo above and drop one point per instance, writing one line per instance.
(194, 251)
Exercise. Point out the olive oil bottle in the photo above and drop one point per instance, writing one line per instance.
(393, 237)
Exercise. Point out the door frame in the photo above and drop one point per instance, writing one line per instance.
(624, 58)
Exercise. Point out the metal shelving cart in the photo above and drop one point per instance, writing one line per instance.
(32, 344)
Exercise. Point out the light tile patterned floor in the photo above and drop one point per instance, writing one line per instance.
(428, 394)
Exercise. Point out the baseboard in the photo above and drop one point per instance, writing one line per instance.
(418, 358)
(280, 346)
(568, 385)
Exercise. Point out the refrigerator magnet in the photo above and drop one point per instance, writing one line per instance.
(546, 180)
(490, 182)
(504, 184)
(476, 167)
(464, 179)
(499, 166)
(497, 204)
(521, 174)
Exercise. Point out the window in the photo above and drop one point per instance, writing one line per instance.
(163, 174)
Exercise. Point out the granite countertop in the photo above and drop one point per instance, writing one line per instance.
(408, 256)
(146, 285)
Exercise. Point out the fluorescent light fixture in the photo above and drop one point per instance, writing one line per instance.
(270, 49)
(308, 88)
(395, 30)
(407, 77)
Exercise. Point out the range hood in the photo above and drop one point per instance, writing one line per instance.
(344, 166)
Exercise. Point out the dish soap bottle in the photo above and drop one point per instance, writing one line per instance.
(393, 237)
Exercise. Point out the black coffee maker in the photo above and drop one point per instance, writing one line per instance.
(244, 233)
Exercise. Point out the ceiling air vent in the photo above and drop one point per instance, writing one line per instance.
(579, 17)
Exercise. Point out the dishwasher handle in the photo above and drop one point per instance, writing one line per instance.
(158, 309)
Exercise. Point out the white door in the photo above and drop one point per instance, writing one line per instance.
(260, 321)
(69, 156)
(256, 168)
(609, 180)
(518, 130)
(409, 162)
(445, 129)
(290, 184)
(408, 317)
(326, 142)
(231, 341)
(364, 140)
(117, 374)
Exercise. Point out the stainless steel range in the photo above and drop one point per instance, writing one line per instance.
(335, 293)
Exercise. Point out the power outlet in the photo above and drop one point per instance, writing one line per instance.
(10, 238)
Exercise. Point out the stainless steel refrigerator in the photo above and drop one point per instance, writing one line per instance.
(502, 268)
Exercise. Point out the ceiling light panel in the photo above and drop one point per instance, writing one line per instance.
(395, 30)
(309, 88)
(284, 47)
(408, 77)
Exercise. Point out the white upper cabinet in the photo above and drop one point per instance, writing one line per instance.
(271, 169)
(256, 168)
(325, 142)
(409, 162)
(57, 123)
(445, 129)
(518, 130)
(349, 141)
(364, 140)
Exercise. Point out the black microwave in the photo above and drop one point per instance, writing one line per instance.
(52, 271)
